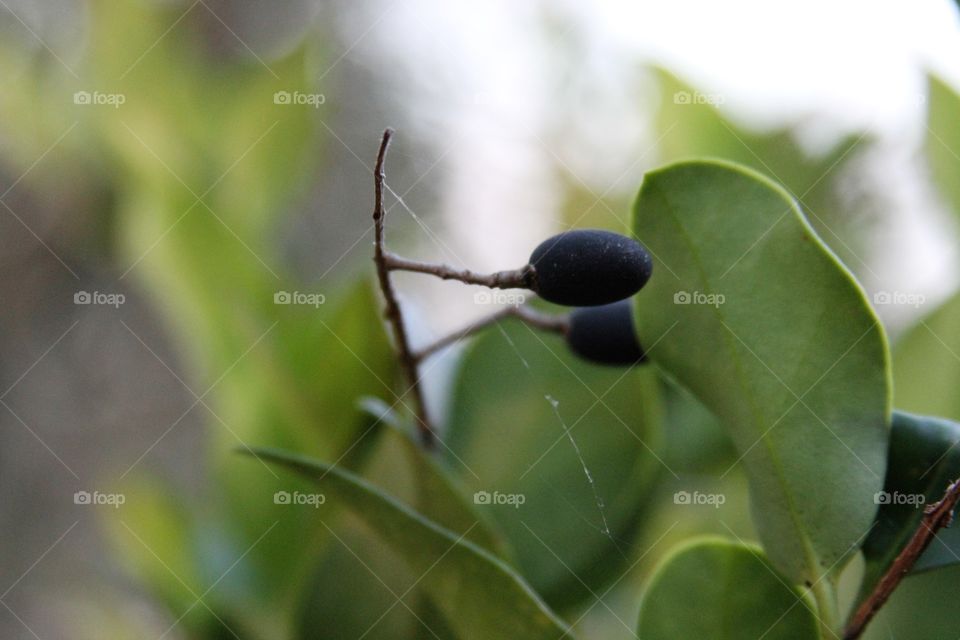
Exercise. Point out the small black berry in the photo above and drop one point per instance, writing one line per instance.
(605, 334)
(589, 267)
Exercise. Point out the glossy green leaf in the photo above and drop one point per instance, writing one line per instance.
(926, 364)
(511, 447)
(752, 313)
(716, 589)
(943, 139)
(924, 459)
(479, 595)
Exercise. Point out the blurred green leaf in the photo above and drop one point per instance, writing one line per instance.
(354, 591)
(431, 489)
(206, 162)
(713, 588)
(155, 535)
(347, 608)
(926, 364)
(921, 607)
(943, 139)
(297, 391)
(507, 439)
(697, 442)
(924, 459)
(693, 124)
(479, 595)
(786, 352)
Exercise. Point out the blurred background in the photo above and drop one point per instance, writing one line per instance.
(169, 168)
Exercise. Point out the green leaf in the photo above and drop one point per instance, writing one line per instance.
(480, 596)
(715, 589)
(926, 364)
(355, 587)
(696, 441)
(359, 576)
(432, 490)
(155, 537)
(921, 608)
(752, 313)
(506, 439)
(943, 139)
(296, 390)
(924, 459)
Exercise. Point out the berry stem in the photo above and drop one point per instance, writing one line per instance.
(521, 278)
(546, 322)
(935, 517)
(408, 363)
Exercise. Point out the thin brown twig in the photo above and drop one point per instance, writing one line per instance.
(522, 278)
(935, 517)
(547, 322)
(408, 363)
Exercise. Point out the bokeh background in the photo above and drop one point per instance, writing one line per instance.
(168, 167)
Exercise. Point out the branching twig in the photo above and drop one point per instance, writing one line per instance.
(935, 517)
(555, 323)
(514, 279)
(525, 277)
(408, 363)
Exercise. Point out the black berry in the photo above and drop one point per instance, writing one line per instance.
(589, 267)
(605, 334)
